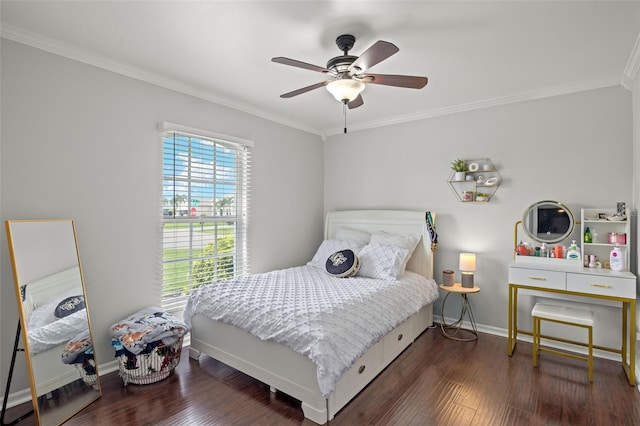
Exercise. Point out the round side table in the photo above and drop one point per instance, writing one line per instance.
(452, 331)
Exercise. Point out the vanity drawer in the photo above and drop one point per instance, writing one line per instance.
(538, 278)
(602, 285)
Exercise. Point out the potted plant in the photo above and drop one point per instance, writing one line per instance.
(459, 167)
(482, 196)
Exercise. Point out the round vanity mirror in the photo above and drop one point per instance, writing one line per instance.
(548, 221)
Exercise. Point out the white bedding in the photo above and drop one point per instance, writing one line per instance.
(332, 321)
(47, 331)
(40, 300)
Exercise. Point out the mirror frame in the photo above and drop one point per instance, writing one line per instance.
(530, 216)
(65, 394)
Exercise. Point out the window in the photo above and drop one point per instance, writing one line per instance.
(204, 213)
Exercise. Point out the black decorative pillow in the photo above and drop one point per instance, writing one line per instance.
(69, 306)
(343, 264)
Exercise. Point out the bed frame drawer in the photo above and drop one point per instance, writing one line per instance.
(396, 341)
(362, 371)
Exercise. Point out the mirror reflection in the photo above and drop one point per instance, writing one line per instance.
(54, 316)
(548, 221)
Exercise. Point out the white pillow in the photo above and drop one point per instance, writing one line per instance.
(353, 234)
(408, 242)
(328, 247)
(384, 262)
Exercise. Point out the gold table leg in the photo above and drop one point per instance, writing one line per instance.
(631, 366)
(632, 343)
(513, 319)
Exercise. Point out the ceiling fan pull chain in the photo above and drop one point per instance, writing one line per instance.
(344, 112)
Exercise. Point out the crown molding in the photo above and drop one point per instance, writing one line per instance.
(37, 41)
(486, 103)
(632, 68)
(62, 49)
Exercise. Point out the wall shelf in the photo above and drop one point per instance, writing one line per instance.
(603, 227)
(481, 181)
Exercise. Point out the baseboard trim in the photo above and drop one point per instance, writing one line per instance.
(24, 395)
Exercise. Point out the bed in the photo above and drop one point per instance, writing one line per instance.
(297, 375)
(48, 334)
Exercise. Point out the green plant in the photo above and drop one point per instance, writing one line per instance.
(217, 264)
(459, 165)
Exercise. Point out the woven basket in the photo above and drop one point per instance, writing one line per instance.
(87, 372)
(144, 369)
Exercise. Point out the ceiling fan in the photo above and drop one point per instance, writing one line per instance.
(348, 74)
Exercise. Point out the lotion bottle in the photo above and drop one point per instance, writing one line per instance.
(616, 259)
(573, 253)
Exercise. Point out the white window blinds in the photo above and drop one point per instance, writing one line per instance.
(205, 208)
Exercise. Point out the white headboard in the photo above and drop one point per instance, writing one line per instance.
(393, 222)
(47, 289)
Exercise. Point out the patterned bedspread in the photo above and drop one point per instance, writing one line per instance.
(332, 321)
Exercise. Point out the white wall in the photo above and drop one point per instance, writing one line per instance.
(81, 142)
(66, 125)
(576, 149)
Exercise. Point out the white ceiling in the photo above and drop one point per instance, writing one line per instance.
(475, 53)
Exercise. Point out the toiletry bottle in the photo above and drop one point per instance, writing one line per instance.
(522, 249)
(616, 260)
(543, 250)
(587, 235)
(557, 251)
(573, 253)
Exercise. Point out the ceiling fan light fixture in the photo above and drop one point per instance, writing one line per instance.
(345, 89)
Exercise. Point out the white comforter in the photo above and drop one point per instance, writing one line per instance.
(45, 336)
(333, 321)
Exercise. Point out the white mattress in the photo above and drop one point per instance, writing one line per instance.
(333, 321)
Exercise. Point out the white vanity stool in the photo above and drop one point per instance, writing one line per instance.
(562, 315)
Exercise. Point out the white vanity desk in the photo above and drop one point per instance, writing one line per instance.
(563, 279)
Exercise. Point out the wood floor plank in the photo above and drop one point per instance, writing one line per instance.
(436, 381)
(430, 402)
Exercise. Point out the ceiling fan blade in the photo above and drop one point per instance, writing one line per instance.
(375, 54)
(305, 89)
(356, 102)
(299, 64)
(408, 81)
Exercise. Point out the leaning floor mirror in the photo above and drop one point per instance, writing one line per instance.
(54, 317)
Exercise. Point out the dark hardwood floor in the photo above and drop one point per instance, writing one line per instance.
(436, 381)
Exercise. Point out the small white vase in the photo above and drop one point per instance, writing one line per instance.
(458, 176)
